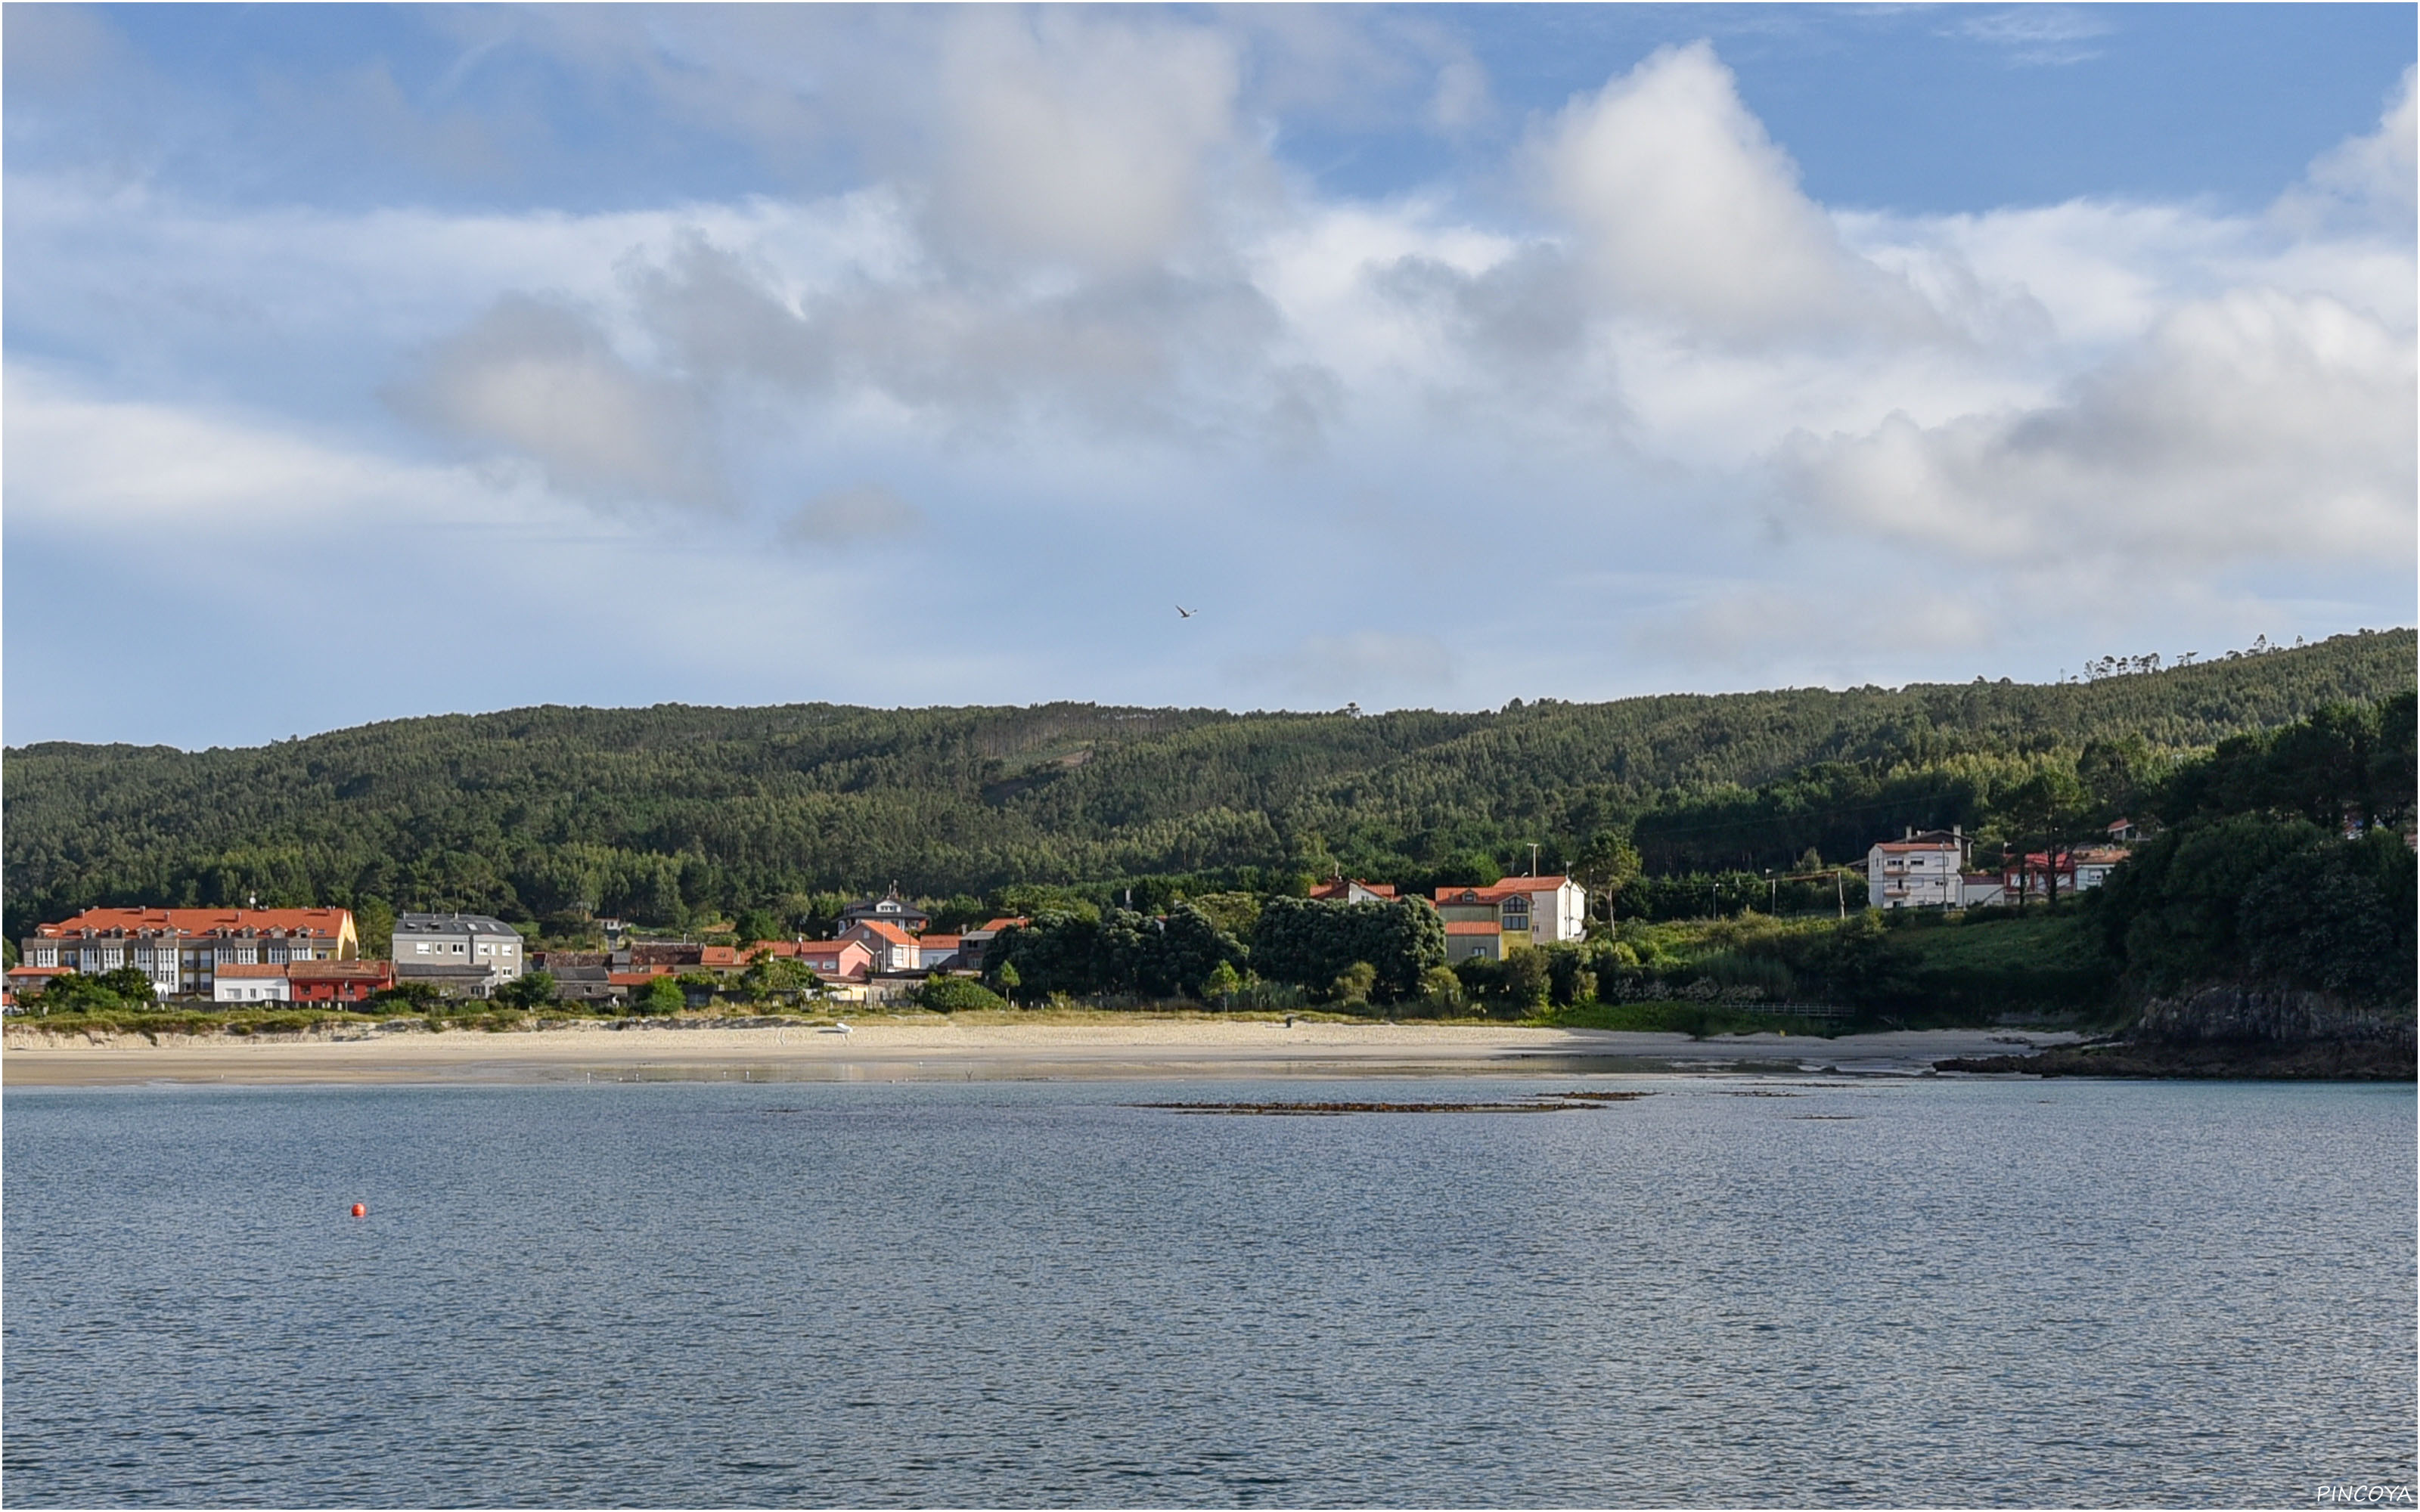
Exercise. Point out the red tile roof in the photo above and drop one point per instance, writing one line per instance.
(1471, 927)
(329, 921)
(938, 941)
(1918, 845)
(1502, 890)
(883, 929)
(251, 972)
(999, 924)
(1344, 889)
(340, 970)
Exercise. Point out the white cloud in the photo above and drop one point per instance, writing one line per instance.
(2040, 36)
(2252, 425)
(1688, 214)
(1068, 137)
(80, 464)
(2367, 183)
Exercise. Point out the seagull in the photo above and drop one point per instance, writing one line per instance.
(1183, 613)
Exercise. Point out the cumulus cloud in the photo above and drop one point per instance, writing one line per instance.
(847, 517)
(542, 380)
(1157, 354)
(1070, 138)
(1687, 212)
(2254, 424)
(2365, 183)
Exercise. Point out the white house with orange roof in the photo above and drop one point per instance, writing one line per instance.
(181, 949)
(1921, 870)
(1519, 910)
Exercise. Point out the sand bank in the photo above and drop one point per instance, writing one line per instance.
(936, 1049)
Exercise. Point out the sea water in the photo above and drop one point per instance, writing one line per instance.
(701, 1293)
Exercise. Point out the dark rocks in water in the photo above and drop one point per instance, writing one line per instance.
(2238, 1031)
(2332, 1061)
(1540, 1102)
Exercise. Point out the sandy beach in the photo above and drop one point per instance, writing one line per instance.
(936, 1049)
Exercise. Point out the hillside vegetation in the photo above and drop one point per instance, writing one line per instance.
(672, 813)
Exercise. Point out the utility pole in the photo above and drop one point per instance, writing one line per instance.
(1533, 857)
(1840, 892)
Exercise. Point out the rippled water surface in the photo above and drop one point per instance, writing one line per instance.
(700, 1293)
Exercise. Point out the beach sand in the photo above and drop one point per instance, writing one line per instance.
(914, 1049)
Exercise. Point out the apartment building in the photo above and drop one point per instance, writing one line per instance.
(1922, 869)
(181, 949)
(470, 955)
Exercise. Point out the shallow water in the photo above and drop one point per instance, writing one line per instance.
(725, 1293)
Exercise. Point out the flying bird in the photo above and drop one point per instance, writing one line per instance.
(1183, 613)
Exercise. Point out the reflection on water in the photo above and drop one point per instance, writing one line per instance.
(713, 1293)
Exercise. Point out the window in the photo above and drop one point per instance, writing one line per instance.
(420, 947)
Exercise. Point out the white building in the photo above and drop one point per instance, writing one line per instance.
(1518, 910)
(250, 984)
(1923, 871)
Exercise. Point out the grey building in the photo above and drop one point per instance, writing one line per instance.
(466, 953)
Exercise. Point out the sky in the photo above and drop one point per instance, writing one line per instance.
(364, 363)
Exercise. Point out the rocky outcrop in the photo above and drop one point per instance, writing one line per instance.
(2237, 1030)
(2241, 1013)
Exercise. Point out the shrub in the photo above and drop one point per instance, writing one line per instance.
(957, 994)
(661, 994)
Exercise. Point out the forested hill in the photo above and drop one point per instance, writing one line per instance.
(666, 812)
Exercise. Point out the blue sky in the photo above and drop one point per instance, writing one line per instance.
(369, 361)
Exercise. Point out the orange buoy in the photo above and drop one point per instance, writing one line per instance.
(361, 1210)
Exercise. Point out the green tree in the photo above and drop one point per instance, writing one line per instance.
(1222, 984)
(754, 925)
(1528, 978)
(1606, 865)
(769, 977)
(661, 994)
(531, 990)
(1353, 985)
(1010, 979)
(2049, 810)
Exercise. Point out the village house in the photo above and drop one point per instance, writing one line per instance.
(236, 984)
(467, 955)
(2082, 870)
(333, 982)
(181, 949)
(1924, 870)
(892, 948)
(1495, 920)
(834, 961)
(1346, 890)
(889, 909)
(1981, 890)
(974, 946)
